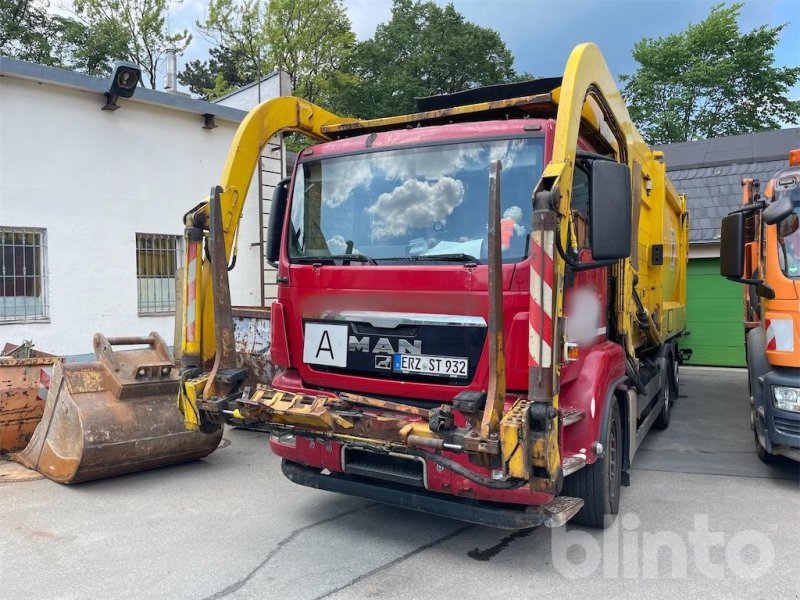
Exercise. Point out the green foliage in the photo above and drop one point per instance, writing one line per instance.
(90, 50)
(236, 30)
(309, 40)
(223, 72)
(27, 31)
(710, 80)
(142, 25)
(424, 49)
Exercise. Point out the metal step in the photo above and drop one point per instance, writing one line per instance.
(561, 510)
(572, 463)
(571, 415)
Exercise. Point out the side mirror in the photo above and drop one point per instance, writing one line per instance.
(778, 210)
(610, 210)
(277, 214)
(731, 251)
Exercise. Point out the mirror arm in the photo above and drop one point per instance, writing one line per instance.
(763, 289)
(576, 265)
(748, 208)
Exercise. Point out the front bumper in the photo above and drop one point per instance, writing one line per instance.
(502, 516)
(780, 429)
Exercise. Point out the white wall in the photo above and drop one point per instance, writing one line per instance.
(93, 179)
(277, 84)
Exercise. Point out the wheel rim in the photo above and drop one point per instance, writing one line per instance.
(676, 374)
(666, 400)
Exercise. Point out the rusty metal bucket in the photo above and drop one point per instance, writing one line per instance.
(114, 416)
(23, 390)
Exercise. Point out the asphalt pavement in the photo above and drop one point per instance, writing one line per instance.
(703, 518)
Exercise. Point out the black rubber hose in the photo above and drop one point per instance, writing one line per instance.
(496, 484)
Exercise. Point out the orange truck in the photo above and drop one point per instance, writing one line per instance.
(760, 247)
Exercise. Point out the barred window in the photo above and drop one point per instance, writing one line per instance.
(157, 258)
(23, 275)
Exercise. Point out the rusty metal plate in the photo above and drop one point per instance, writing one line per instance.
(23, 390)
(252, 340)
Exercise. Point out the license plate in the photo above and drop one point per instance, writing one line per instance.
(447, 366)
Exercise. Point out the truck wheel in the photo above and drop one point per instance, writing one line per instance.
(765, 455)
(598, 484)
(667, 398)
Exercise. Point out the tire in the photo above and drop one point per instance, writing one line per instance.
(667, 398)
(763, 454)
(598, 484)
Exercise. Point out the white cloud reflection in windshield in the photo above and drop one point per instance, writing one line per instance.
(415, 204)
(410, 201)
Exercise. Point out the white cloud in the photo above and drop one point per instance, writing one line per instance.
(342, 176)
(415, 203)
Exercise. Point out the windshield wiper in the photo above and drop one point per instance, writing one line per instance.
(458, 257)
(356, 257)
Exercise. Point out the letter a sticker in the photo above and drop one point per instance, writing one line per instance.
(325, 344)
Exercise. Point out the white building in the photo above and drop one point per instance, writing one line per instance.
(91, 206)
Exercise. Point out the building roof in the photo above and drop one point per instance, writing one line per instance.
(11, 67)
(710, 172)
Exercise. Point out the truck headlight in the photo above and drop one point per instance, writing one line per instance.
(786, 398)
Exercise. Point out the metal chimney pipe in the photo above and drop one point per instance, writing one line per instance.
(171, 77)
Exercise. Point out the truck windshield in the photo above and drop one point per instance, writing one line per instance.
(411, 205)
(789, 242)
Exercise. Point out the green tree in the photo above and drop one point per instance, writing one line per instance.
(143, 25)
(215, 77)
(91, 50)
(27, 31)
(236, 32)
(710, 80)
(309, 40)
(424, 49)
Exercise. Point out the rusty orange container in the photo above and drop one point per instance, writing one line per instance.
(23, 391)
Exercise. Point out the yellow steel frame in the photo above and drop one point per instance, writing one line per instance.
(586, 76)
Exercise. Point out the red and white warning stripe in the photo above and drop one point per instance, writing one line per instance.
(540, 323)
(191, 291)
(779, 335)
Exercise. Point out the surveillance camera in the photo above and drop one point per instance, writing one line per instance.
(123, 84)
(125, 79)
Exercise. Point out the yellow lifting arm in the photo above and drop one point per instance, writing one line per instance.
(284, 114)
(587, 94)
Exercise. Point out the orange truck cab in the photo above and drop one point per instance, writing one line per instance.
(760, 247)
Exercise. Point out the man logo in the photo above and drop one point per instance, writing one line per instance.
(383, 362)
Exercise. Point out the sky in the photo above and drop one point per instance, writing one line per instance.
(541, 33)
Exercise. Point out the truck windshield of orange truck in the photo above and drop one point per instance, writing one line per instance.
(409, 205)
(789, 243)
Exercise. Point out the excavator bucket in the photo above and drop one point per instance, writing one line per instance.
(114, 416)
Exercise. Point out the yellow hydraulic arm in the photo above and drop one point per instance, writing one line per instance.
(587, 96)
(216, 220)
